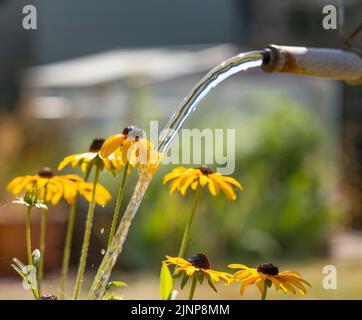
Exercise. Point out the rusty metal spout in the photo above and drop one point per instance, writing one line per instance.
(320, 62)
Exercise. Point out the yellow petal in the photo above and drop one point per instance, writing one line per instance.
(245, 283)
(238, 266)
(233, 182)
(212, 187)
(260, 285)
(111, 144)
(169, 176)
(187, 183)
(286, 286)
(173, 185)
(191, 270)
(229, 191)
(203, 180)
(67, 160)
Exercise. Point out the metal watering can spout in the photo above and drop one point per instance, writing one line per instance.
(320, 62)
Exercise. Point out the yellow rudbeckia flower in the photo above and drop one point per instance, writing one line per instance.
(136, 151)
(112, 162)
(183, 178)
(52, 188)
(197, 267)
(102, 195)
(265, 275)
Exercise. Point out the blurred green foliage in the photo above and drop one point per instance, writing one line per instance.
(283, 159)
(282, 213)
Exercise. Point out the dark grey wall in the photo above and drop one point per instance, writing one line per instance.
(70, 28)
(15, 50)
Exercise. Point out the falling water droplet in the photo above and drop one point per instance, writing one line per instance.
(92, 266)
(102, 230)
(103, 252)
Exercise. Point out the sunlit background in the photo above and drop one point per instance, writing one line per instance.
(92, 68)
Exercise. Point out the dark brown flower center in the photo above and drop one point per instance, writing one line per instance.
(199, 260)
(96, 145)
(48, 297)
(205, 170)
(132, 132)
(268, 269)
(46, 173)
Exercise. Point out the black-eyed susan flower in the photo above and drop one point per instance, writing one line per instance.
(184, 178)
(117, 141)
(51, 188)
(136, 150)
(198, 268)
(266, 275)
(112, 162)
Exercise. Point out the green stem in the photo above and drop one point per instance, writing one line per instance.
(67, 248)
(28, 249)
(44, 213)
(186, 235)
(35, 293)
(118, 204)
(88, 228)
(263, 296)
(193, 287)
(28, 238)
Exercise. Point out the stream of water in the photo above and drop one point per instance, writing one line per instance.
(241, 62)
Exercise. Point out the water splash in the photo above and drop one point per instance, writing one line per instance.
(226, 69)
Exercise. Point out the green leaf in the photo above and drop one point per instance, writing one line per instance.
(19, 271)
(184, 281)
(268, 283)
(113, 284)
(200, 277)
(18, 263)
(166, 282)
(211, 285)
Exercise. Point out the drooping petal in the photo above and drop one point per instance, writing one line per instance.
(226, 188)
(248, 281)
(174, 185)
(233, 182)
(212, 187)
(238, 266)
(186, 184)
(260, 285)
(67, 160)
(191, 270)
(203, 180)
(285, 285)
(111, 144)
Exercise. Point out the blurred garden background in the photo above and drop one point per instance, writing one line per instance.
(91, 69)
